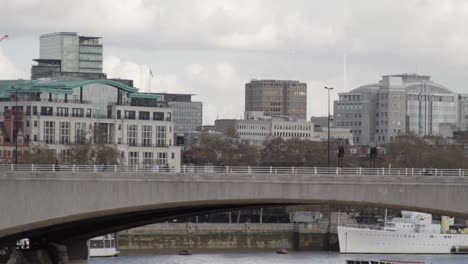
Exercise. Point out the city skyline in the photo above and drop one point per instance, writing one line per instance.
(213, 48)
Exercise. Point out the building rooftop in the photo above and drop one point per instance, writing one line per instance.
(7, 87)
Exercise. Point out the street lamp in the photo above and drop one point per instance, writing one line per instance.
(15, 128)
(329, 89)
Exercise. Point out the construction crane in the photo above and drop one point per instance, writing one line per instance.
(3, 37)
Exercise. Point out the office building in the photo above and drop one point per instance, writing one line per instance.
(67, 55)
(58, 114)
(259, 129)
(277, 98)
(463, 112)
(396, 105)
(322, 121)
(187, 115)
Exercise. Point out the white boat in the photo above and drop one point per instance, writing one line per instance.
(383, 261)
(103, 246)
(413, 233)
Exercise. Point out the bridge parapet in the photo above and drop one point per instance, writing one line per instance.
(189, 169)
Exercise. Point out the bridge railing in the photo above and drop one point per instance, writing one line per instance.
(235, 170)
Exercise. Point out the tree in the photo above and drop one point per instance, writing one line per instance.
(410, 151)
(93, 149)
(226, 150)
(38, 154)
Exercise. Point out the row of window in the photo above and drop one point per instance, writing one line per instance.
(291, 134)
(147, 136)
(293, 127)
(148, 158)
(144, 115)
(345, 124)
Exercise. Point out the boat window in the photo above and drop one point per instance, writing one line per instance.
(107, 244)
(96, 244)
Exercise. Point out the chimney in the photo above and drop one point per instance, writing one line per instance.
(8, 123)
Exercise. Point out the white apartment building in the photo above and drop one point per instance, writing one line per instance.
(60, 113)
(260, 128)
(396, 105)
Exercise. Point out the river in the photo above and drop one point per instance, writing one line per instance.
(272, 258)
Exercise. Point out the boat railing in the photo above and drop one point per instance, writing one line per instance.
(361, 226)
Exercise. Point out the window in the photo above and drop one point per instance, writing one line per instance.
(64, 132)
(49, 132)
(46, 111)
(78, 112)
(119, 114)
(27, 123)
(160, 136)
(65, 155)
(35, 123)
(62, 111)
(28, 110)
(144, 115)
(132, 132)
(147, 135)
(161, 158)
(129, 115)
(158, 116)
(80, 132)
(133, 158)
(34, 110)
(148, 158)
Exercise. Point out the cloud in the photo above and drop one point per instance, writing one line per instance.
(8, 70)
(211, 48)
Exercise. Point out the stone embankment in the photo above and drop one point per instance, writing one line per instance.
(247, 236)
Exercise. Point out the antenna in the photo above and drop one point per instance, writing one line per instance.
(345, 77)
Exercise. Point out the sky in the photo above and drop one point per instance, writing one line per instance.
(211, 48)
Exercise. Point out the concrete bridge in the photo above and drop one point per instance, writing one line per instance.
(70, 204)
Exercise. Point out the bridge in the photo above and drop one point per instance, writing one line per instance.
(69, 204)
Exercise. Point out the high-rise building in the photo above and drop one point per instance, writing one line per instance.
(277, 98)
(68, 55)
(397, 104)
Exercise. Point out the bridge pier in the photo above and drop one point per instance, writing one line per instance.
(77, 251)
(73, 252)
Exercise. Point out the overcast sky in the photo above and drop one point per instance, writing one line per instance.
(211, 48)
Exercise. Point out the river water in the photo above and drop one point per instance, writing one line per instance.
(272, 258)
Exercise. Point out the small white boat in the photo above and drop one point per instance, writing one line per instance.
(103, 246)
(383, 261)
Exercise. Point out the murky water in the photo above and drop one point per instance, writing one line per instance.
(272, 258)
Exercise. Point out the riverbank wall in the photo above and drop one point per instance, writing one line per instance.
(214, 236)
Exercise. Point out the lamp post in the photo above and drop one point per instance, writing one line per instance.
(328, 89)
(15, 128)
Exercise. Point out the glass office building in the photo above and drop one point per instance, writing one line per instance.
(75, 56)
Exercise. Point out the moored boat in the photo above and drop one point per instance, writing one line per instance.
(413, 233)
(103, 246)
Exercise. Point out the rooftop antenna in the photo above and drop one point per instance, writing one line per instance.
(345, 77)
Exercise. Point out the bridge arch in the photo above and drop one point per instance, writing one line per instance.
(81, 205)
